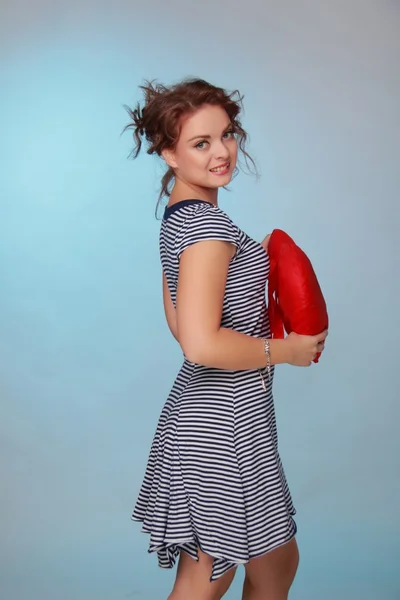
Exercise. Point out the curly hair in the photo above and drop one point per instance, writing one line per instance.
(158, 121)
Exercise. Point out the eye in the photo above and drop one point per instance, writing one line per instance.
(229, 134)
(201, 145)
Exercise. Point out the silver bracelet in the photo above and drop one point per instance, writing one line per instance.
(267, 350)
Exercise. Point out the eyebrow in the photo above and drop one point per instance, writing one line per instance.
(207, 137)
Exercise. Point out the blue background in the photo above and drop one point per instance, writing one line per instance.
(86, 360)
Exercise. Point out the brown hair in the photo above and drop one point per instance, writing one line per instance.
(159, 120)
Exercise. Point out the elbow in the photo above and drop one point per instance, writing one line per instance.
(193, 353)
(197, 351)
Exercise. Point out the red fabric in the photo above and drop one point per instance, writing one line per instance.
(295, 299)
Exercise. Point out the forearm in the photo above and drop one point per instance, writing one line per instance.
(231, 350)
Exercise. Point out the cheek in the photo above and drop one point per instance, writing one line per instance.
(189, 161)
(197, 161)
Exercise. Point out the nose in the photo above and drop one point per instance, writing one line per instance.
(221, 150)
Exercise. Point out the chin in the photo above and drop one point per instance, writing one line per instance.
(221, 181)
(217, 186)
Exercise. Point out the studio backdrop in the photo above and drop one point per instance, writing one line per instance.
(86, 359)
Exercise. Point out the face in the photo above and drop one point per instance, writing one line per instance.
(206, 153)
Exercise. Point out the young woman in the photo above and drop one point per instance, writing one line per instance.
(214, 492)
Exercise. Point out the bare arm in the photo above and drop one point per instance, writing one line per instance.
(169, 309)
(201, 288)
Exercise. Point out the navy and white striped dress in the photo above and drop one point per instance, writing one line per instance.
(214, 478)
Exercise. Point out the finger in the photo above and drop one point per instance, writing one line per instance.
(265, 242)
(321, 337)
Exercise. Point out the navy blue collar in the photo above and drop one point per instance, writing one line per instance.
(169, 210)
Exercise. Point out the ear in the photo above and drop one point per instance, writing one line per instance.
(169, 157)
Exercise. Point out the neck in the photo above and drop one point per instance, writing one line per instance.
(185, 191)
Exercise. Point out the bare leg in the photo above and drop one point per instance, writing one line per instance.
(193, 579)
(270, 576)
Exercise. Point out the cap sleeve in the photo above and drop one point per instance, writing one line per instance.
(207, 223)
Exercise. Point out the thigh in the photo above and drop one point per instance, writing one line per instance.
(272, 574)
(193, 579)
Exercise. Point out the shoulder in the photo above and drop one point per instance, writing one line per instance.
(206, 222)
(206, 215)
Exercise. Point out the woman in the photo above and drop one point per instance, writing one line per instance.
(214, 492)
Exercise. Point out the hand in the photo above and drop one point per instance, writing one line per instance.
(265, 242)
(304, 348)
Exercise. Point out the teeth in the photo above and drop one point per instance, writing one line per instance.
(219, 169)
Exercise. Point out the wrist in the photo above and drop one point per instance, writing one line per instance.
(280, 351)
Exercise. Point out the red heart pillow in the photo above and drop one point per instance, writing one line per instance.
(295, 299)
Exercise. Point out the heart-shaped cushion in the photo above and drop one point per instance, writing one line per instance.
(295, 299)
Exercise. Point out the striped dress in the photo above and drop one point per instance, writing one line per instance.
(214, 479)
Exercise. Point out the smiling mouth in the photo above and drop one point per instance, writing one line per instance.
(221, 168)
